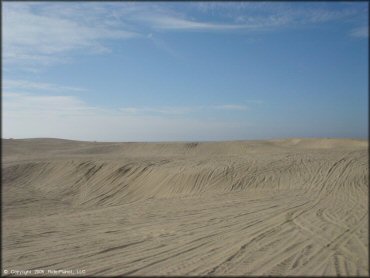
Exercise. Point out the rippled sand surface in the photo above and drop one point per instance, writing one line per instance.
(277, 207)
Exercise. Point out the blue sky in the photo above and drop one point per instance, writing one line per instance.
(131, 71)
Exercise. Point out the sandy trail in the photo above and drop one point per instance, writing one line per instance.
(278, 207)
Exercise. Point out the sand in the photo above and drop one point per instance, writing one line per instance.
(275, 207)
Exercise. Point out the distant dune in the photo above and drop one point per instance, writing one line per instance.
(274, 207)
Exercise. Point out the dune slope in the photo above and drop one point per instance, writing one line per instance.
(277, 207)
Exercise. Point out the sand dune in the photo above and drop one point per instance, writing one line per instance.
(274, 207)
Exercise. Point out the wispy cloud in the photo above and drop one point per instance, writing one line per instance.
(19, 105)
(162, 45)
(263, 16)
(183, 110)
(360, 32)
(16, 85)
(168, 22)
(35, 33)
(235, 107)
(175, 110)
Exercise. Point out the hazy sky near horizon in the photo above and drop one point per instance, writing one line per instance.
(131, 71)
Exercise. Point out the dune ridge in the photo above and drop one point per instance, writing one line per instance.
(275, 207)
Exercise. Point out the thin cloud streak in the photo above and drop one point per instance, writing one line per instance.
(181, 110)
(11, 85)
(360, 32)
(234, 107)
(165, 22)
